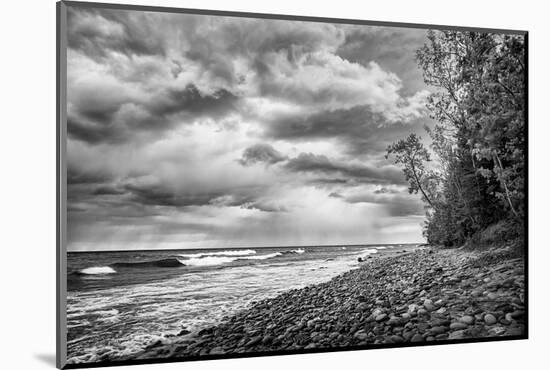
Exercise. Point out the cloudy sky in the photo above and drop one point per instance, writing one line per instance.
(192, 131)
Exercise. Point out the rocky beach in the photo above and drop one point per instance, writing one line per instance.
(422, 295)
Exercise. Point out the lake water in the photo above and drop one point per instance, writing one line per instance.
(120, 302)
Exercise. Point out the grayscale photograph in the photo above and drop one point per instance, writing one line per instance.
(241, 185)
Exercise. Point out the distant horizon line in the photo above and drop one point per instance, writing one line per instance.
(226, 248)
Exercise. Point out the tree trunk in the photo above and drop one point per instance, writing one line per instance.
(496, 159)
(419, 185)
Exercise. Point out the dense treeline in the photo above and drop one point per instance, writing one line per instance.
(476, 190)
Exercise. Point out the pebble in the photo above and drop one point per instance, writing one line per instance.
(497, 330)
(459, 334)
(490, 319)
(361, 335)
(438, 330)
(428, 305)
(417, 297)
(467, 319)
(458, 326)
(421, 312)
(217, 351)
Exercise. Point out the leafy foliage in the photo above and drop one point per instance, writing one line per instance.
(411, 154)
(479, 138)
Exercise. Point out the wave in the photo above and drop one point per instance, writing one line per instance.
(369, 251)
(295, 251)
(208, 261)
(166, 262)
(262, 256)
(98, 270)
(198, 259)
(244, 252)
(214, 260)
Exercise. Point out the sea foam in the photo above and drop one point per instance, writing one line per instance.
(244, 252)
(98, 270)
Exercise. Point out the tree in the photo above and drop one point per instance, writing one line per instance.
(479, 137)
(480, 99)
(411, 154)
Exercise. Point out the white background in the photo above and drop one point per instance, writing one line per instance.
(27, 203)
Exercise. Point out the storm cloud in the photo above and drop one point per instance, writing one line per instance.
(261, 153)
(309, 162)
(188, 131)
(106, 120)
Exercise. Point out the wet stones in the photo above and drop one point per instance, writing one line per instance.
(428, 305)
(361, 335)
(438, 330)
(490, 319)
(217, 351)
(467, 319)
(458, 326)
(425, 296)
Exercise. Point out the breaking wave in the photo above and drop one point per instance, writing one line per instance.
(98, 270)
(263, 257)
(198, 259)
(208, 261)
(244, 252)
(218, 258)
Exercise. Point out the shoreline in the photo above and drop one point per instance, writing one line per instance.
(417, 296)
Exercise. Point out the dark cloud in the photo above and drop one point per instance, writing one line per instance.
(358, 128)
(217, 42)
(99, 190)
(108, 189)
(265, 206)
(261, 153)
(328, 182)
(94, 133)
(160, 196)
(76, 176)
(308, 162)
(194, 102)
(147, 193)
(101, 123)
(324, 124)
(96, 32)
